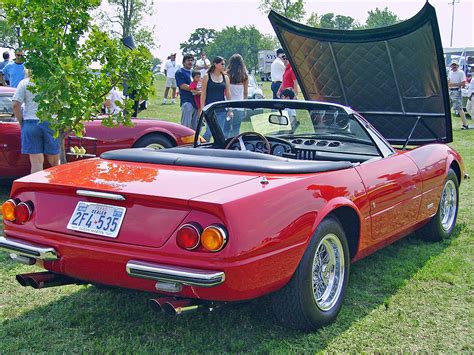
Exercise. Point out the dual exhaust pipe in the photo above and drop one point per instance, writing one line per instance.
(168, 305)
(176, 307)
(45, 279)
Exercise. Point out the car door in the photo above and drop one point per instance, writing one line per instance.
(394, 188)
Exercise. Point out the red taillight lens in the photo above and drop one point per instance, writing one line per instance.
(188, 236)
(23, 212)
(8, 210)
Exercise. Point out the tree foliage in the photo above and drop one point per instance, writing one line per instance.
(8, 36)
(380, 18)
(292, 9)
(198, 41)
(128, 15)
(328, 20)
(246, 41)
(68, 91)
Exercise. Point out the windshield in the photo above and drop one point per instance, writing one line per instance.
(6, 110)
(317, 122)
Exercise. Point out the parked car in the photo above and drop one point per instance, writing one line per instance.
(281, 209)
(144, 133)
(255, 91)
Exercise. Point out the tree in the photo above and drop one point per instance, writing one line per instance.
(8, 36)
(328, 20)
(246, 41)
(293, 9)
(128, 15)
(67, 90)
(198, 41)
(380, 18)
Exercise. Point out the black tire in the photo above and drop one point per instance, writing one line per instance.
(156, 140)
(442, 224)
(295, 305)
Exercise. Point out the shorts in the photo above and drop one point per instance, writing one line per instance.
(456, 99)
(170, 82)
(37, 138)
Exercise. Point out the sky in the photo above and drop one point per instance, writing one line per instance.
(175, 20)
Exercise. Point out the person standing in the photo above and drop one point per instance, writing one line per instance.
(216, 87)
(456, 81)
(203, 64)
(239, 88)
(470, 98)
(276, 71)
(195, 88)
(189, 113)
(171, 68)
(36, 137)
(289, 78)
(15, 72)
(6, 60)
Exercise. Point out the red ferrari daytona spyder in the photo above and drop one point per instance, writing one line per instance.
(280, 201)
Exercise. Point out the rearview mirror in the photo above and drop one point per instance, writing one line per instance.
(278, 119)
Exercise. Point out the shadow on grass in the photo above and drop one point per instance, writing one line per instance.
(91, 319)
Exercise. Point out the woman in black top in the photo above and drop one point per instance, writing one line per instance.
(216, 87)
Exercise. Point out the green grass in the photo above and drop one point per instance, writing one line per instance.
(410, 296)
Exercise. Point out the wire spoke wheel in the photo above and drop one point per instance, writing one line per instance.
(448, 205)
(328, 272)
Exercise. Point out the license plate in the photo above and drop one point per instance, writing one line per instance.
(96, 218)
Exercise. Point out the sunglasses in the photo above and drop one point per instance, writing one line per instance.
(19, 55)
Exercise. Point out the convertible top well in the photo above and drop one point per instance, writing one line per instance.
(395, 75)
(225, 159)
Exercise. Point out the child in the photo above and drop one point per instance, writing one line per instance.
(195, 88)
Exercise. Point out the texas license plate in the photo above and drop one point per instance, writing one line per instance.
(96, 218)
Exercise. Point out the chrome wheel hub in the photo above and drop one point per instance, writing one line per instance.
(448, 205)
(155, 146)
(328, 272)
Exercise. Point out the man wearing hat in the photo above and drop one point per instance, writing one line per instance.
(456, 81)
(170, 70)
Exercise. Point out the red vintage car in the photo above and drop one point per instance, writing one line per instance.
(280, 202)
(144, 133)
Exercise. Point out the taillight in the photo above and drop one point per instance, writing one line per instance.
(8, 210)
(188, 236)
(17, 211)
(23, 212)
(213, 238)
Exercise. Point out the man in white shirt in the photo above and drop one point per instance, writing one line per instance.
(170, 70)
(470, 97)
(276, 71)
(456, 81)
(36, 137)
(202, 64)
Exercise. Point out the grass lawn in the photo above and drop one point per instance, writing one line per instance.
(410, 296)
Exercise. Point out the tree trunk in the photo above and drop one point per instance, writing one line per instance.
(62, 145)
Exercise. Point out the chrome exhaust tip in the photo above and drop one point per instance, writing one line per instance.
(157, 303)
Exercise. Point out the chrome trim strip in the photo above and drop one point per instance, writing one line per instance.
(29, 250)
(98, 194)
(176, 274)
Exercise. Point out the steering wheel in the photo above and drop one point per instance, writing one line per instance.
(240, 136)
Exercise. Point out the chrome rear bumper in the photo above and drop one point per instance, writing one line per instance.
(29, 250)
(175, 274)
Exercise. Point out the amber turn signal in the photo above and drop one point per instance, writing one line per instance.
(8, 210)
(214, 238)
